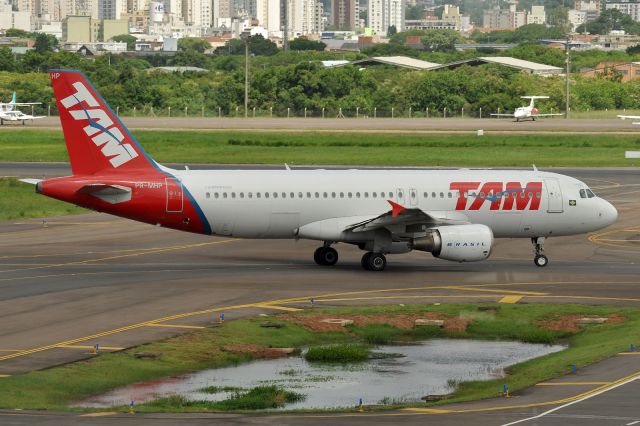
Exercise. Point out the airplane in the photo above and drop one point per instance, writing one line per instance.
(527, 111)
(9, 113)
(453, 214)
(631, 117)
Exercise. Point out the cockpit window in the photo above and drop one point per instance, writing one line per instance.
(583, 193)
(590, 194)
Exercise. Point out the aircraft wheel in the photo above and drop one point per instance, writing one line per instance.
(377, 262)
(317, 255)
(325, 256)
(365, 260)
(541, 260)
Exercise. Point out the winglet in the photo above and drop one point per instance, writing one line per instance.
(396, 208)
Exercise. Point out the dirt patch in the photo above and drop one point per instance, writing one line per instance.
(405, 322)
(258, 352)
(568, 323)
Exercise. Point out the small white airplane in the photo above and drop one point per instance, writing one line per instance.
(8, 111)
(529, 111)
(452, 214)
(630, 117)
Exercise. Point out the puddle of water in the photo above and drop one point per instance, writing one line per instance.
(428, 368)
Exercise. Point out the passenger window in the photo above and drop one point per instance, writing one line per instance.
(258, 194)
(390, 194)
(325, 195)
(292, 195)
(216, 195)
(537, 195)
(308, 195)
(425, 195)
(208, 195)
(242, 195)
(433, 195)
(522, 195)
(374, 194)
(400, 194)
(284, 195)
(300, 195)
(357, 195)
(366, 195)
(350, 194)
(333, 195)
(266, 195)
(441, 195)
(317, 195)
(224, 195)
(250, 194)
(342, 195)
(449, 195)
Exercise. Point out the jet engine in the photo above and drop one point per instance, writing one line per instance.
(459, 243)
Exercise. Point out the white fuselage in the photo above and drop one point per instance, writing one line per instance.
(274, 203)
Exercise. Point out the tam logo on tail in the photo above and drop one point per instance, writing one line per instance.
(101, 129)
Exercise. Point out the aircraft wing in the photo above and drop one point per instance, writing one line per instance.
(503, 115)
(544, 115)
(400, 215)
(631, 117)
(24, 103)
(112, 194)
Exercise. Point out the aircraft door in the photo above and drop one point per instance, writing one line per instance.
(554, 194)
(413, 197)
(174, 195)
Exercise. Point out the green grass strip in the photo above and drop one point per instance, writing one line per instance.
(313, 148)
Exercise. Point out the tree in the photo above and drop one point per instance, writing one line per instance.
(414, 12)
(45, 43)
(441, 40)
(258, 45)
(15, 32)
(392, 30)
(7, 61)
(559, 17)
(126, 38)
(611, 19)
(305, 44)
(197, 44)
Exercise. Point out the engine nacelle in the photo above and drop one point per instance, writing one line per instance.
(459, 243)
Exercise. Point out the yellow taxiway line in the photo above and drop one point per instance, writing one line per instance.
(195, 327)
(572, 383)
(107, 348)
(510, 299)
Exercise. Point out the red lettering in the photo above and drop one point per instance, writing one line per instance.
(490, 190)
(523, 196)
(463, 188)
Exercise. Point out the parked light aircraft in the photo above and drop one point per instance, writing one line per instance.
(453, 214)
(529, 111)
(631, 117)
(8, 111)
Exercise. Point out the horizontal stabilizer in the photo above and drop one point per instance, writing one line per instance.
(112, 194)
(31, 181)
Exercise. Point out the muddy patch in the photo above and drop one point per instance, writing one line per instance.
(318, 323)
(570, 323)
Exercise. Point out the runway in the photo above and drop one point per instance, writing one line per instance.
(393, 125)
(70, 282)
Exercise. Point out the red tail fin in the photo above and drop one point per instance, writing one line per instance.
(96, 138)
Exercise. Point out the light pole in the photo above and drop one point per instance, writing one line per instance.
(567, 94)
(246, 36)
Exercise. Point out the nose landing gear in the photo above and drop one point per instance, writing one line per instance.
(540, 259)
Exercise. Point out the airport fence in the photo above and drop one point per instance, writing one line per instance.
(393, 112)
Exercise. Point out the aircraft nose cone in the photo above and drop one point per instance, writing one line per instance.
(608, 213)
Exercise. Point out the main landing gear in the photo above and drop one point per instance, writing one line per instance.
(540, 259)
(325, 256)
(374, 261)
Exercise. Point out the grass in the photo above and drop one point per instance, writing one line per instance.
(19, 201)
(313, 148)
(341, 353)
(57, 388)
(258, 398)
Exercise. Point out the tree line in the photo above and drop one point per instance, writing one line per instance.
(297, 81)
